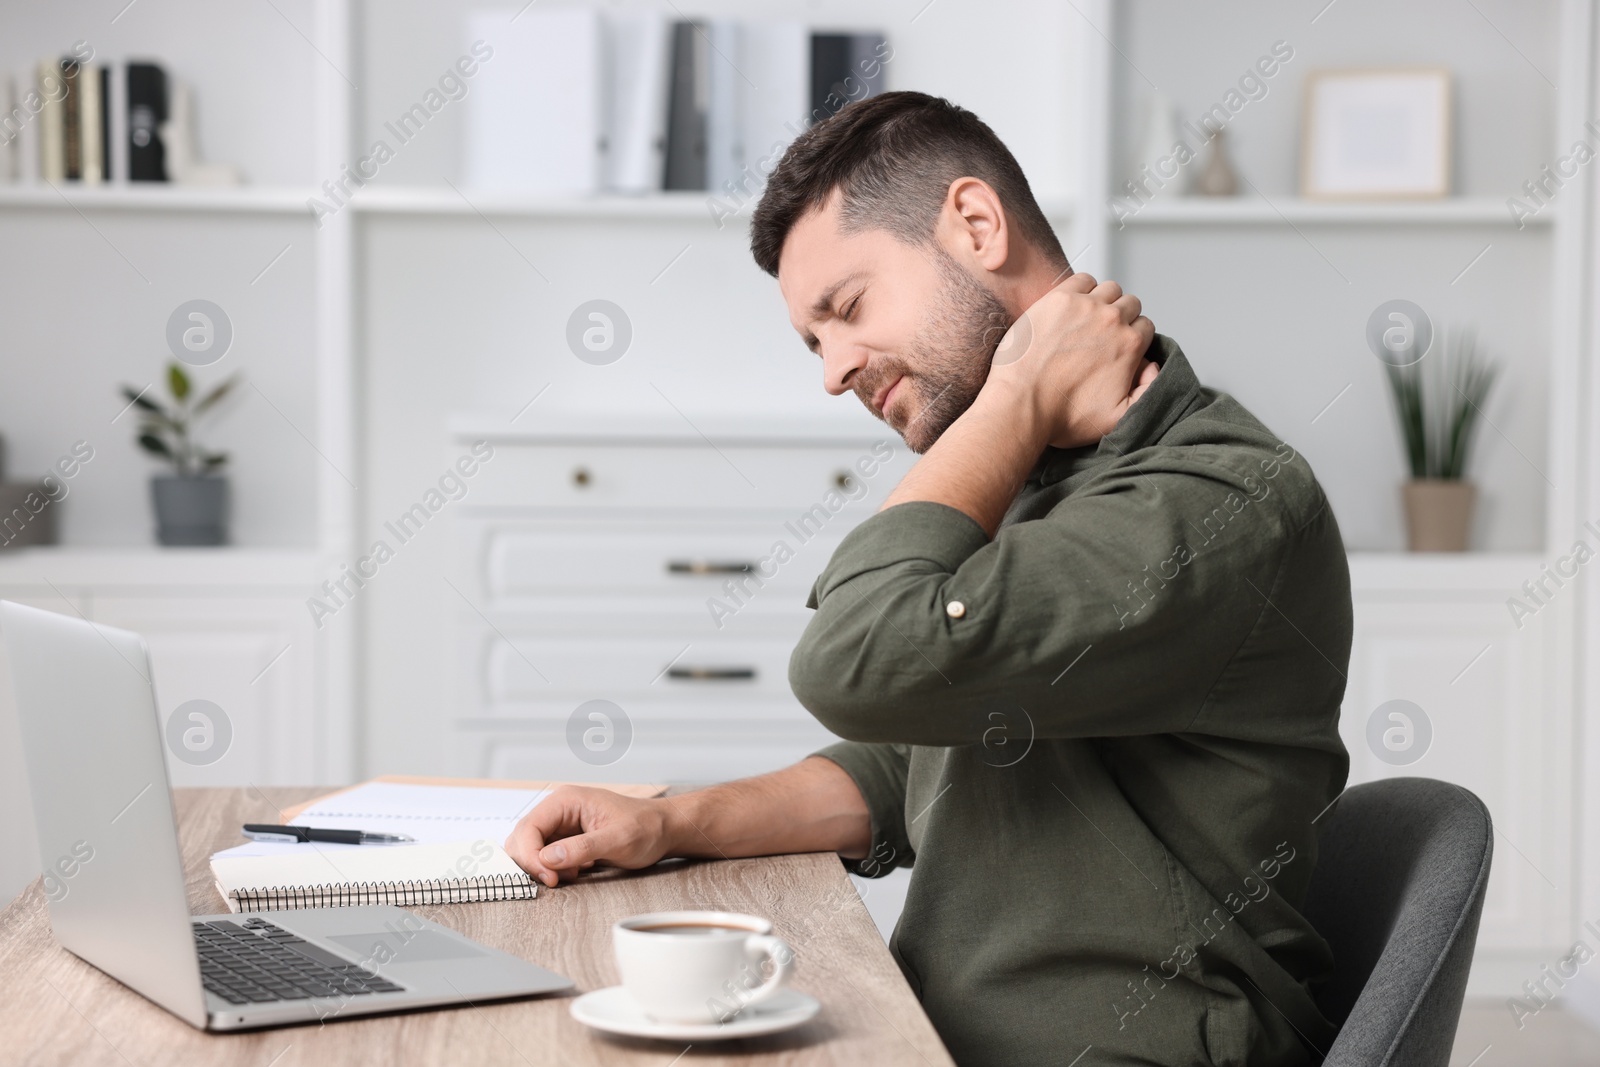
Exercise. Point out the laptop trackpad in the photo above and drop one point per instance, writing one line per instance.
(391, 947)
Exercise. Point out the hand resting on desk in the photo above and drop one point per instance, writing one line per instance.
(813, 806)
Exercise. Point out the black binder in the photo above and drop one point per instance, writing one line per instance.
(687, 109)
(147, 110)
(839, 62)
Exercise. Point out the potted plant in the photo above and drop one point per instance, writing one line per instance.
(192, 502)
(1439, 411)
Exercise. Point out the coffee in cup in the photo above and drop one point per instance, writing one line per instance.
(699, 966)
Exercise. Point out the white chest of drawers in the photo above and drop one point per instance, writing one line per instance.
(626, 603)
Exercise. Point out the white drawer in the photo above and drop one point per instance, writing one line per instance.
(688, 477)
(764, 560)
(684, 754)
(661, 667)
(664, 710)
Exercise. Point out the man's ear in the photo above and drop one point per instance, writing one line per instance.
(975, 224)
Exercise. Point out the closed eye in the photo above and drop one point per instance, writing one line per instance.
(825, 307)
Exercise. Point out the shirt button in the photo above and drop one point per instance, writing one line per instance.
(955, 609)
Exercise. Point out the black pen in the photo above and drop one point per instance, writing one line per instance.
(265, 832)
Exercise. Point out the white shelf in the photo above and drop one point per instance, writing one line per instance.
(367, 200)
(158, 196)
(444, 200)
(1464, 572)
(1255, 211)
(214, 569)
(373, 199)
(394, 200)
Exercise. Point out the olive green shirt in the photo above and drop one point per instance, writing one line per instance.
(1103, 738)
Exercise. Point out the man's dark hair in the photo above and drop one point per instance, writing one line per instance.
(893, 156)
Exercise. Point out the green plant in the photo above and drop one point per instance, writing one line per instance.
(1438, 429)
(166, 430)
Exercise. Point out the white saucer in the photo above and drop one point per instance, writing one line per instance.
(615, 1011)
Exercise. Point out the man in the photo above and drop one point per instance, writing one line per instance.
(1088, 658)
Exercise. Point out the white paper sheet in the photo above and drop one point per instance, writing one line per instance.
(429, 813)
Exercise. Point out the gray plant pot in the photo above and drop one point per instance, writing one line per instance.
(1438, 514)
(190, 511)
(27, 515)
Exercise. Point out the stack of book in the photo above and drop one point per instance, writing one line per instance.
(74, 120)
(581, 101)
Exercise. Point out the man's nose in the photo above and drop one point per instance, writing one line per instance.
(840, 363)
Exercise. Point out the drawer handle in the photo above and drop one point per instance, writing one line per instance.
(844, 480)
(711, 674)
(581, 477)
(701, 566)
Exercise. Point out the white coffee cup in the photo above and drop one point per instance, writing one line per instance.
(698, 966)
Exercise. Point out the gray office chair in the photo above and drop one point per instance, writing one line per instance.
(1397, 892)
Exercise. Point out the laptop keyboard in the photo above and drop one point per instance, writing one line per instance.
(256, 962)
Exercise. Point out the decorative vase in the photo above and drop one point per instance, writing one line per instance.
(1438, 514)
(190, 511)
(1160, 138)
(1217, 177)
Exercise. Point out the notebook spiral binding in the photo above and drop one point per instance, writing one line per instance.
(405, 894)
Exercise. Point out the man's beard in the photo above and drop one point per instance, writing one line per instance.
(948, 359)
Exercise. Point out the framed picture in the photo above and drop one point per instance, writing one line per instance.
(1376, 134)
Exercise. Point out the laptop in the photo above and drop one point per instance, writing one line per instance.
(108, 842)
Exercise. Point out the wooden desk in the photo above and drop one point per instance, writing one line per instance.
(56, 1009)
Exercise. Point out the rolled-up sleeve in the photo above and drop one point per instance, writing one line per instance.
(879, 771)
(1112, 615)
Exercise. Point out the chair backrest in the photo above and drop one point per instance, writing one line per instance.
(1397, 892)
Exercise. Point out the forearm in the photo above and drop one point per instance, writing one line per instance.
(813, 806)
(978, 465)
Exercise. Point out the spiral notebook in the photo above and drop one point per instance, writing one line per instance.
(444, 872)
